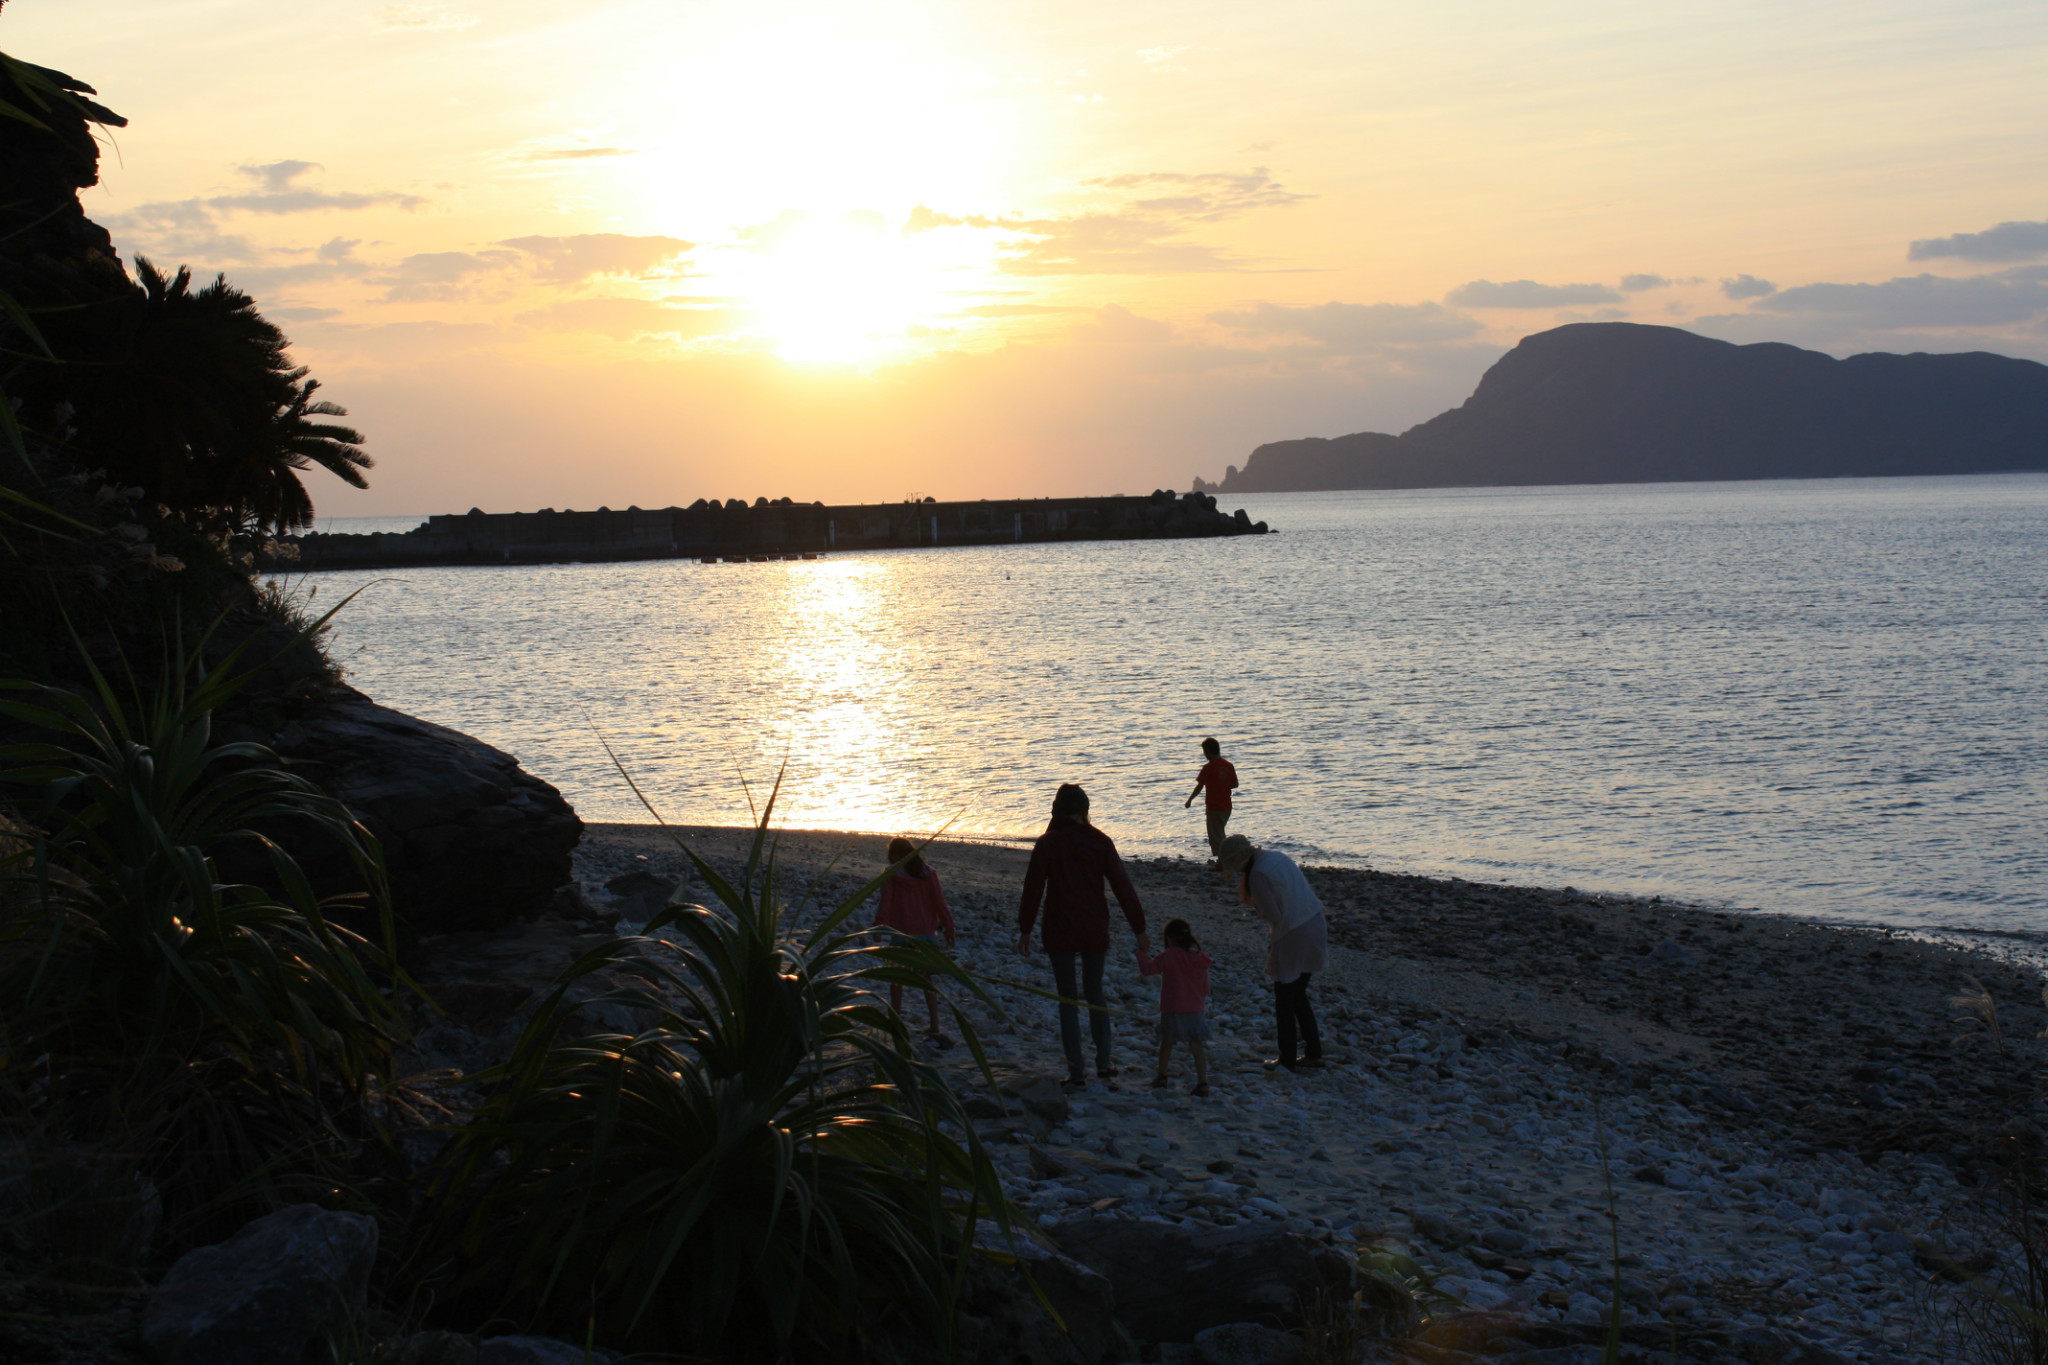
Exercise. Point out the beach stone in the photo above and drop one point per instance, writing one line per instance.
(471, 840)
(640, 895)
(280, 1290)
(538, 1351)
(1440, 1229)
(1248, 1343)
(1172, 1281)
(1890, 1244)
(1040, 1095)
(436, 1348)
(1000, 1319)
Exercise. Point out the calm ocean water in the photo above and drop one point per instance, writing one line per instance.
(1822, 697)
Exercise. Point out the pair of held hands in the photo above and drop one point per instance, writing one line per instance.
(1024, 944)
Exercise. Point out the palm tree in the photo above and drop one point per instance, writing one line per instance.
(190, 395)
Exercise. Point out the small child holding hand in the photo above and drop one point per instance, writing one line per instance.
(913, 904)
(1183, 970)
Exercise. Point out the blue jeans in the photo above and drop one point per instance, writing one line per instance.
(1070, 1014)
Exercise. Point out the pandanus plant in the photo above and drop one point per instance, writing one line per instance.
(217, 1031)
(758, 1159)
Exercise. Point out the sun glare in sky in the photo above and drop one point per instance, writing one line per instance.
(840, 289)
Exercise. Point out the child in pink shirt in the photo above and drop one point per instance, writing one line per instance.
(1183, 970)
(913, 904)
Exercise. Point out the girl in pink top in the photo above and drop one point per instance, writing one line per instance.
(1183, 972)
(913, 904)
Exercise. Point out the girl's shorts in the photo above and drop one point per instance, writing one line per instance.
(1192, 1027)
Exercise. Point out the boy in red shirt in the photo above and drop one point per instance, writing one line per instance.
(1217, 779)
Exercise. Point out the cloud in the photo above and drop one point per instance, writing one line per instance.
(1355, 328)
(623, 319)
(311, 201)
(303, 314)
(1161, 59)
(440, 275)
(1207, 197)
(1924, 300)
(1528, 294)
(579, 153)
(1017, 310)
(1144, 236)
(2006, 242)
(571, 260)
(190, 228)
(418, 18)
(1635, 284)
(277, 176)
(1115, 325)
(1747, 287)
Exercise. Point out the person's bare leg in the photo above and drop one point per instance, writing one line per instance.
(931, 1007)
(1165, 1054)
(896, 998)
(1201, 1051)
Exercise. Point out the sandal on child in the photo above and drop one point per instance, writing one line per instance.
(1159, 1082)
(1201, 1092)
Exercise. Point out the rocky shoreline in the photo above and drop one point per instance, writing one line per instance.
(1794, 1122)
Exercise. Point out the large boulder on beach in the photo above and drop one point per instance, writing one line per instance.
(282, 1290)
(471, 840)
(1172, 1282)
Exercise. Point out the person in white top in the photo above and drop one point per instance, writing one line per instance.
(1297, 940)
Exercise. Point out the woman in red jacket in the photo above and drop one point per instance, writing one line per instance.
(913, 904)
(1069, 864)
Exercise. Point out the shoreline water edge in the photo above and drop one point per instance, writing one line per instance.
(1795, 1123)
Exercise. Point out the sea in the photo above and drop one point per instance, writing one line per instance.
(1826, 698)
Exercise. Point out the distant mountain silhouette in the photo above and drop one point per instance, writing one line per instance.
(1618, 402)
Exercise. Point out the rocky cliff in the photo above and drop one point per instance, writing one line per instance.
(1617, 402)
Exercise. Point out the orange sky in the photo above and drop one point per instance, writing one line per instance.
(640, 253)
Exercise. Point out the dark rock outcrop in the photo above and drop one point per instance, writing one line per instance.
(471, 839)
(1172, 1282)
(1618, 402)
(279, 1291)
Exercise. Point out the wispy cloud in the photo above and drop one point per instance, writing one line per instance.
(440, 276)
(1636, 284)
(419, 18)
(1147, 235)
(1747, 287)
(572, 260)
(1116, 325)
(2015, 241)
(1528, 294)
(624, 319)
(1207, 197)
(191, 228)
(1355, 328)
(2006, 297)
(578, 153)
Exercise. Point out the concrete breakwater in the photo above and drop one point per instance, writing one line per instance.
(712, 530)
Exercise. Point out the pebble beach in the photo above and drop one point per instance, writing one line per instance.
(1788, 1119)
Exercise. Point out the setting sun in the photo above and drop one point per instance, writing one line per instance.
(839, 289)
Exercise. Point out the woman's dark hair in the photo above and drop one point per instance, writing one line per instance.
(1212, 748)
(904, 852)
(1069, 806)
(1178, 933)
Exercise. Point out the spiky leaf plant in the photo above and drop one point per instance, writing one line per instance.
(213, 1031)
(758, 1159)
